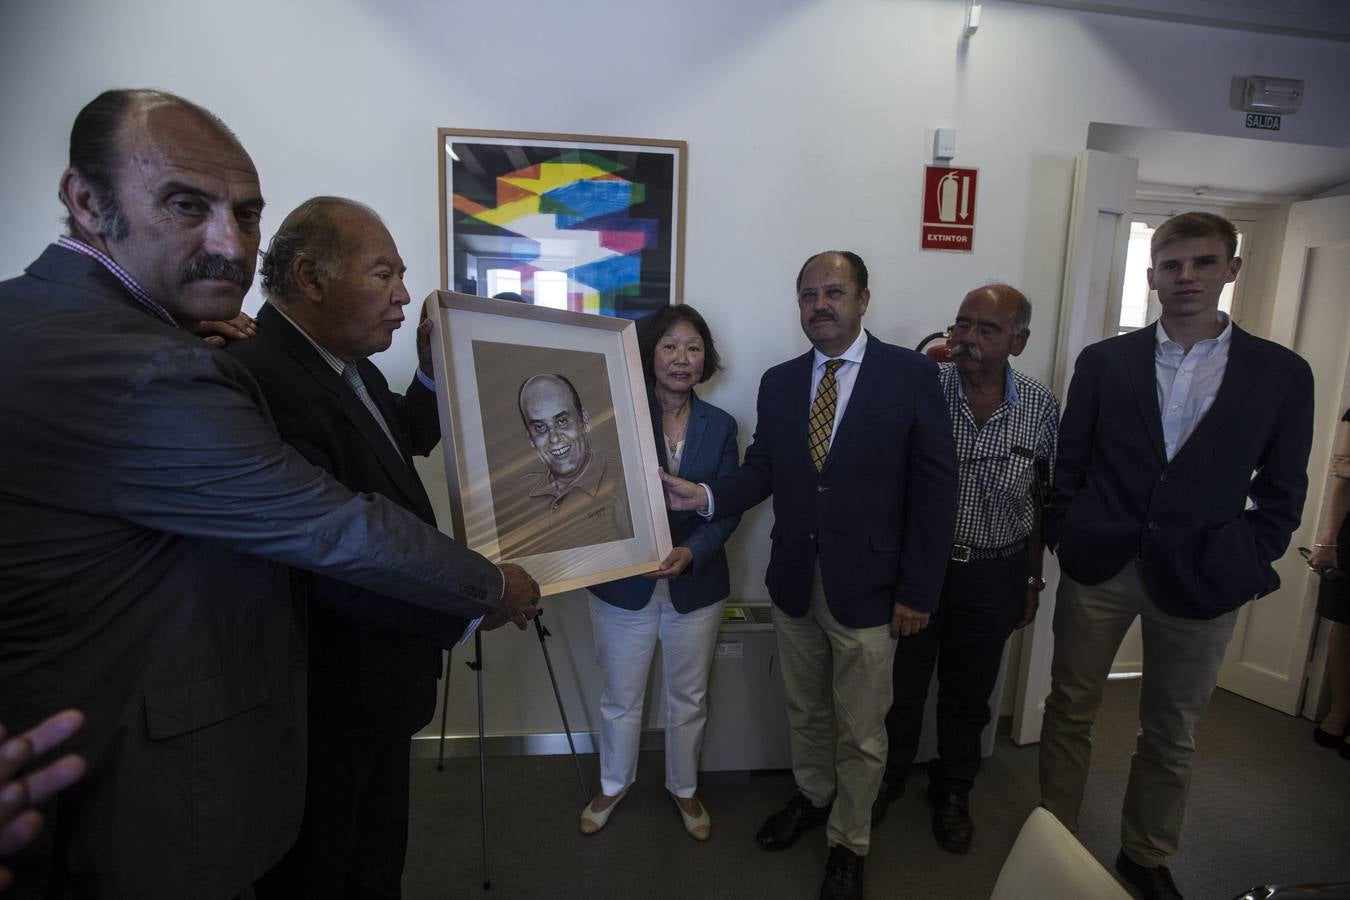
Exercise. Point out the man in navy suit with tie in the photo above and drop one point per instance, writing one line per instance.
(1182, 469)
(854, 443)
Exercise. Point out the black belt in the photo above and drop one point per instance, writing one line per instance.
(964, 554)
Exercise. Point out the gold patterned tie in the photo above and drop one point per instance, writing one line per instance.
(821, 421)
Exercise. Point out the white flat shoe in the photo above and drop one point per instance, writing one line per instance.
(699, 826)
(592, 821)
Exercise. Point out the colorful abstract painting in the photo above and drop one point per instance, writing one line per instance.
(588, 224)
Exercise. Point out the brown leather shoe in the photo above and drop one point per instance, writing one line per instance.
(843, 875)
(782, 829)
(1153, 882)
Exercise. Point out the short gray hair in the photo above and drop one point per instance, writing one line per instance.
(310, 231)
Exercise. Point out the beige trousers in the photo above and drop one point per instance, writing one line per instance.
(1181, 666)
(837, 682)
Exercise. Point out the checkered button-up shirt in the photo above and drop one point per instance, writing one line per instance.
(997, 462)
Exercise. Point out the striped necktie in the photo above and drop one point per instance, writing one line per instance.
(821, 421)
(353, 378)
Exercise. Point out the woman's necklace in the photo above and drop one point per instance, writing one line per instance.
(673, 439)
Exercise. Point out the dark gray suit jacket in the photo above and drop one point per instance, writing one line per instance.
(145, 498)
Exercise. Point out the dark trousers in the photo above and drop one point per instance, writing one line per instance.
(355, 831)
(981, 602)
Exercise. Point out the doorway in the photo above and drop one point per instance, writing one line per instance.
(1133, 175)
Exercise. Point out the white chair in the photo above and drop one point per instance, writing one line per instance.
(1048, 863)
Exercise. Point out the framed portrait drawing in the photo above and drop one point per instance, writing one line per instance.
(547, 435)
(576, 222)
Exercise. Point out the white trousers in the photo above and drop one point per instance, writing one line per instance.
(624, 642)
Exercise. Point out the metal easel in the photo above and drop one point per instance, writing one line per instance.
(477, 666)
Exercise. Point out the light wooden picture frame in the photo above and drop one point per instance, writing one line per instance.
(546, 431)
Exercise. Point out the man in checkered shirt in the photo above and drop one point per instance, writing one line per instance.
(1004, 425)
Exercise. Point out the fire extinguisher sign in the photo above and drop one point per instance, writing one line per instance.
(948, 209)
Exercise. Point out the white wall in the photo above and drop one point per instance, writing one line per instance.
(807, 123)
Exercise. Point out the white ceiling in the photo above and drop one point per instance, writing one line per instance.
(1322, 19)
(1225, 163)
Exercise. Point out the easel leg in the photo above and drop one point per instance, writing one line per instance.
(445, 707)
(477, 666)
(557, 695)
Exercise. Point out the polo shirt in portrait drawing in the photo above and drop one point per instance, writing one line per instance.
(592, 510)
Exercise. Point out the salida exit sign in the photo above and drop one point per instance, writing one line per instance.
(1269, 123)
(948, 209)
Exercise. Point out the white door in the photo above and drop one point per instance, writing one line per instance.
(1268, 657)
(1094, 272)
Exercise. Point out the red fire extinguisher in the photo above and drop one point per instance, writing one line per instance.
(941, 352)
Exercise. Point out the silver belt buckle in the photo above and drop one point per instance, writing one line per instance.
(961, 553)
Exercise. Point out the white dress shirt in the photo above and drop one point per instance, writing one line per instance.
(844, 378)
(1188, 382)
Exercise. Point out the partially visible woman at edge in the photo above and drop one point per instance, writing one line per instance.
(1331, 559)
(680, 603)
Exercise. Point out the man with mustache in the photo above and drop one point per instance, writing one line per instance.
(145, 502)
(1004, 425)
(1182, 470)
(854, 443)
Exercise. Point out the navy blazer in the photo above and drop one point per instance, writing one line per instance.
(373, 659)
(880, 514)
(709, 452)
(1204, 552)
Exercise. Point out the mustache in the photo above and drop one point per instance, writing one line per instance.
(823, 317)
(209, 267)
(969, 350)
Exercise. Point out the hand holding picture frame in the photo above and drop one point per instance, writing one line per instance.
(547, 437)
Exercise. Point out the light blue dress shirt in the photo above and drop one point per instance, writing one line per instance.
(1188, 382)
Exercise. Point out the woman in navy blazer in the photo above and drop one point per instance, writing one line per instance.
(681, 602)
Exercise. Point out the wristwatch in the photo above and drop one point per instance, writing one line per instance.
(1036, 581)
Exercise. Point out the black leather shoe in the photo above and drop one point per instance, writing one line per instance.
(951, 822)
(888, 793)
(1327, 738)
(843, 875)
(1154, 883)
(782, 829)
